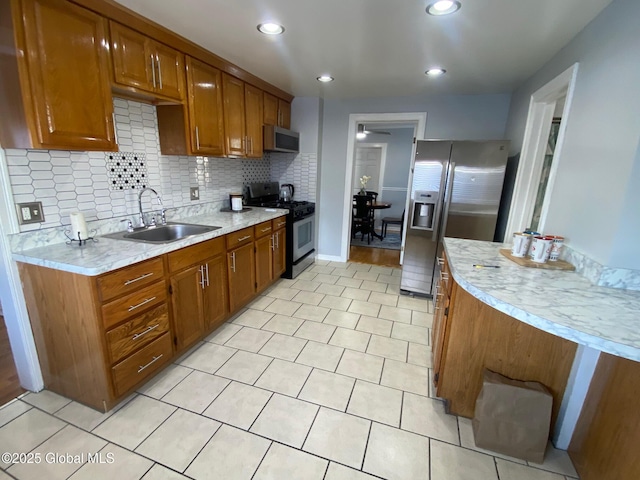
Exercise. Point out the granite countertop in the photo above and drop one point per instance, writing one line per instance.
(108, 254)
(559, 302)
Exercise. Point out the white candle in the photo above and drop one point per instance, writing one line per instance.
(78, 226)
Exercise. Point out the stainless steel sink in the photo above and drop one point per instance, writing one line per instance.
(168, 233)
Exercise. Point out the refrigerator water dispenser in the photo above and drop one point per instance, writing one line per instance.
(424, 208)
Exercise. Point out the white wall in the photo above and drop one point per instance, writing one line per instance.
(455, 117)
(592, 201)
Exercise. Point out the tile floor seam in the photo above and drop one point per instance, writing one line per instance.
(197, 454)
(430, 450)
(262, 460)
(154, 430)
(366, 446)
(172, 388)
(495, 465)
(326, 470)
(306, 437)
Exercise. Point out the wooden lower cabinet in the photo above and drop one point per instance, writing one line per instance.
(187, 303)
(242, 276)
(279, 253)
(470, 335)
(98, 338)
(264, 261)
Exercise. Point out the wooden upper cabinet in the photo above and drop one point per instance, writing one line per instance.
(276, 111)
(270, 109)
(205, 108)
(56, 84)
(234, 116)
(144, 64)
(284, 109)
(253, 118)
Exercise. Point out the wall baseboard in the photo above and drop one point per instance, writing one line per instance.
(331, 258)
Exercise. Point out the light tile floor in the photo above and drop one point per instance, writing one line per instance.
(323, 377)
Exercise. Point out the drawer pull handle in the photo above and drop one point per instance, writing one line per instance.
(129, 282)
(155, 359)
(266, 229)
(144, 302)
(281, 224)
(141, 334)
(247, 237)
(440, 260)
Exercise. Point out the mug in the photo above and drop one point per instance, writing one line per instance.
(235, 202)
(541, 249)
(556, 247)
(521, 244)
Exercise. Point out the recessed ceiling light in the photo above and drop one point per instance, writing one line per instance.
(435, 72)
(443, 7)
(270, 28)
(325, 78)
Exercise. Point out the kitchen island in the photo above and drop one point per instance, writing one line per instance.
(548, 326)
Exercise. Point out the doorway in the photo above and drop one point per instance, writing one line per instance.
(552, 100)
(389, 190)
(9, 382)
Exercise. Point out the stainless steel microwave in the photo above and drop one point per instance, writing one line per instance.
(278, 139)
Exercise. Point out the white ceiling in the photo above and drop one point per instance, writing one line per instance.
(379, 47)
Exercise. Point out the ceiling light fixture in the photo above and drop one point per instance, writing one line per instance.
(435, 72)
(325, 78)
(361, 133)
(270, 28)
(443, 7)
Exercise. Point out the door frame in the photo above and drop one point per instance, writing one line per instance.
(383, 162)
(14, 306)
(536, 135)
(420, 120)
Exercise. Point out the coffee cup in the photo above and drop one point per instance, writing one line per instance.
(556, 247)
(521, 243)
(541, 249)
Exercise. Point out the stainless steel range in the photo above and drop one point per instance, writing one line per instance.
(301, 224)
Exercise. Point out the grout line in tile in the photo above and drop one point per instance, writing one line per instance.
(171, 390)
(203, 447)
(366, 445)
(262, 460)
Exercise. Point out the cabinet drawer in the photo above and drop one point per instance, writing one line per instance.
(131, 278)
(195, 254)
(240, 237)
(141, 364)
(279, 223)
(138, 332)
(262, 229)
(130, 305)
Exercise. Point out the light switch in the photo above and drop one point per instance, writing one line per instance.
(195, 193)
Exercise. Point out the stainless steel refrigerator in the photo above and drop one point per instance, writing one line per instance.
(455, 192)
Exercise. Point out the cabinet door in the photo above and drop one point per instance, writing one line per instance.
(205, 108)
(215, 293)
(264, 261)
(169, 65)
(132, 58)
(187, 294)
(439, 330)
(280, 253)
(253, 113)
(242, 276)
(284, 111)
(234, 123)
(270, 113)
(67, 53)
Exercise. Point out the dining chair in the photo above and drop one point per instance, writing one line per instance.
(386, 221)
(362, 218)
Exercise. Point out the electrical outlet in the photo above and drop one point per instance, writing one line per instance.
(30, 213)
(195, 193)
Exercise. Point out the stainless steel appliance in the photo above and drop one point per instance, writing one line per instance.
(277, 139)
(301, 224)
(286, 192)
(455, 192)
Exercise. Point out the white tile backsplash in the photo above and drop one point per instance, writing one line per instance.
(300, 169)
(79, 181)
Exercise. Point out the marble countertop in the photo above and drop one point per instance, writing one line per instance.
(559, 302)
(108, 254)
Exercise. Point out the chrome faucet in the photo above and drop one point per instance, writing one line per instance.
(162, 209)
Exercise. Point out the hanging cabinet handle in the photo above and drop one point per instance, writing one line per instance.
(272, 243)
(233, 262)
(206, 268)
(153, 71)
(159, 70)
(144, 302)
(201, 276)
(197, 139)
(155, 359)
(129, 282)
(138, 335)
(115, 130)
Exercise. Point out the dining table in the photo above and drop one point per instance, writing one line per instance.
(378, 206)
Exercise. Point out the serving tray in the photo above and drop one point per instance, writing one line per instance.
(526, 262)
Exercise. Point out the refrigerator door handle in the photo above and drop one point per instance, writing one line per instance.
(448, 193)
(438, 207)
